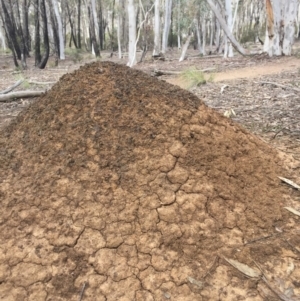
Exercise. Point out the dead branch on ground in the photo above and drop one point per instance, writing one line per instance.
(20, 94)
(167, 72)
(15, 85)
(278, 85)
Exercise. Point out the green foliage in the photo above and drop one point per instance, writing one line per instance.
(194, 77)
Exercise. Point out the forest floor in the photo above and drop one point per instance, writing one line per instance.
(260, 93)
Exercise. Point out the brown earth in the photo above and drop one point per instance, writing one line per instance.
(122, 187)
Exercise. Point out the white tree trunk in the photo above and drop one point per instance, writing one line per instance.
(60, 30)
(185, 47)
(212, 32)
(178, 26)
(168, 7)
(132, 33)
(2, 38)
(119, 31)
(203, 25)
(223, 24)
(291, 11)
(94, 12)
(198, 35)
(156, 49)
(230, 25)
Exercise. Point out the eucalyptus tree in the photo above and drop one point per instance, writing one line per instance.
(59, 30)
(167, 23)
(281, 20)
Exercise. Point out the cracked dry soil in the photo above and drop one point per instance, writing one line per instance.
(135, 188)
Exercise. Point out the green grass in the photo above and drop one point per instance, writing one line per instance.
(195, 78)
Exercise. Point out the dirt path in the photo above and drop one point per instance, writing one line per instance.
(249, 71)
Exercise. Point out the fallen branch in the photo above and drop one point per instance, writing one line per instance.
(167, 72)
(278, 85)
(15, 85)
(41, 83)
(20, 94)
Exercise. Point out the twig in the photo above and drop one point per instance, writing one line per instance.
(41, 83)
(20, 94)
(82, 291)
(278, 85)
(15, 85)
(258, 239)
(211, 268)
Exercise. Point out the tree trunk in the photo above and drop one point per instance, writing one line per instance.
(60, 30)
(96, 27)
(156, 49)
(223, 24)
(203, 25)
(132, 33)
(93, 28)
(167, 23)
(37, 38)
(178, 26)
(119, 30)
(79, 24)
(291, 11)
(230, 25)
(185, 47)
(72, 38)
(45, 57)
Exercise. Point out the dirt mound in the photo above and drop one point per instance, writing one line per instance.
(132, 189)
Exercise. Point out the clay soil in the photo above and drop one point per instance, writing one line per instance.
(116, 185)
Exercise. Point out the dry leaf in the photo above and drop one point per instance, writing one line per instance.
(292, 210)
(290, 182)
(243, 268)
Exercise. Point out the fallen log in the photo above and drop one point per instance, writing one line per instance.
(20, 94)
(167, 72)
(15, 85)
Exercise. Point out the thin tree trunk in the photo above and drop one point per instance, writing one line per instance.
(167, 22)
(119, 30)
(79, 23)
(132, 33)
(60, 30)
(72, 38)
(45, 57)
(178, 26)
(156, 49)
(37, 38)
(229, 24)
(185, 47)
(223, 24)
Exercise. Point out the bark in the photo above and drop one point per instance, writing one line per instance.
(11, 31)
(96, 27)
(60, 30)
(178, 26)
(185, 47)
(224, 26)
(203, 25)
(72, 38)
(291, 11)
(167, 23)
(26, 32)
(112, 28)
(230, 25)
(79, 24)
(199, 48)
(20, 94)
(156, 49)
(119, 27)
(132, 33)
(45, 57)
(55, 37)
(93, 37)
(37, 38)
